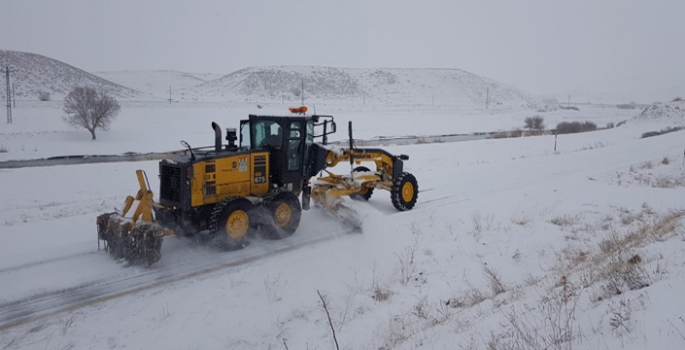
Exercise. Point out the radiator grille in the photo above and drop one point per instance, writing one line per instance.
(170, 181)
(210, 188)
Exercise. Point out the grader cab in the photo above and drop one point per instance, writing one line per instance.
(227, 193)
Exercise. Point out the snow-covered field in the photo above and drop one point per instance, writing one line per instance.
(511, 245)
(147, 127)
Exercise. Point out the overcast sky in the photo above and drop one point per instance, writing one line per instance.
(540, 46)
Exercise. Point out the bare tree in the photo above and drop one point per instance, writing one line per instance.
(90, 109)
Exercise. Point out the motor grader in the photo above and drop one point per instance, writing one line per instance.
(226, 193)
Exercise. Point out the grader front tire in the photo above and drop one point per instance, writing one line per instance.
(404, 192)
(232, 223)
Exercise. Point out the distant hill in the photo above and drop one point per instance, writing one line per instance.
(380, 85)
(32, 73)
(157, 82)
(640, 88)
(206, 76)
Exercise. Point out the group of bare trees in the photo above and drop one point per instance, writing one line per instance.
(90, 109)
(535, 123)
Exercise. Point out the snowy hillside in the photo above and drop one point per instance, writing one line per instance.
(158, 82)
(674, 111)
(384, 85)
(33, 73)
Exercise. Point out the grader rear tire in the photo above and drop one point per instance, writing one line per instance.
(283, 212)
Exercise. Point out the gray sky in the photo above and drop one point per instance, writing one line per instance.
(540, 46)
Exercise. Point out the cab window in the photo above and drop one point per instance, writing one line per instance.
(295, 130)
(267, 134)
(245, 135)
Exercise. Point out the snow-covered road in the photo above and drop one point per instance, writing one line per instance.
(53, 264)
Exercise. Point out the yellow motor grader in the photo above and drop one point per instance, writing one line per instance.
(226, 193)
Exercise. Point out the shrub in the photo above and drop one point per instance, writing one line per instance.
(43, 95)
(650, 134)
(610, 125)
(677, 99)
(663, 131)
(575, 127)
(500, 135)
(535, 123)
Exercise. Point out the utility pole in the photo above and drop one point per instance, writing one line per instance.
(14, 94)
(487, 98)
(555, 141)
(169, 94)
(302, 92)
(9, 98)
(569, 101)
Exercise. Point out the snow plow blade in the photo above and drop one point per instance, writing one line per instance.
(136, 240)
(137, 243)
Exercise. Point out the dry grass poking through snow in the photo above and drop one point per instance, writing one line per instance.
(654, 173)
(565, 220)
(591, 275)
(481, 222)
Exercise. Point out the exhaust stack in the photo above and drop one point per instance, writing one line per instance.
(217, 136)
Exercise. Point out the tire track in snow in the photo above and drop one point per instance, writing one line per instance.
(39, 306)
(42, 262)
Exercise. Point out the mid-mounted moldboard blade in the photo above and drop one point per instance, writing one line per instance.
(347, 216)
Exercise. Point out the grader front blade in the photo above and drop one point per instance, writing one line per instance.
(138, 239)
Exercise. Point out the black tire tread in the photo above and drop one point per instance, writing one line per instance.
(396, 192)
(268, 205)
(214, 226)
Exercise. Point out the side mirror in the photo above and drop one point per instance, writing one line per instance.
(332, 127)
(186, 145)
